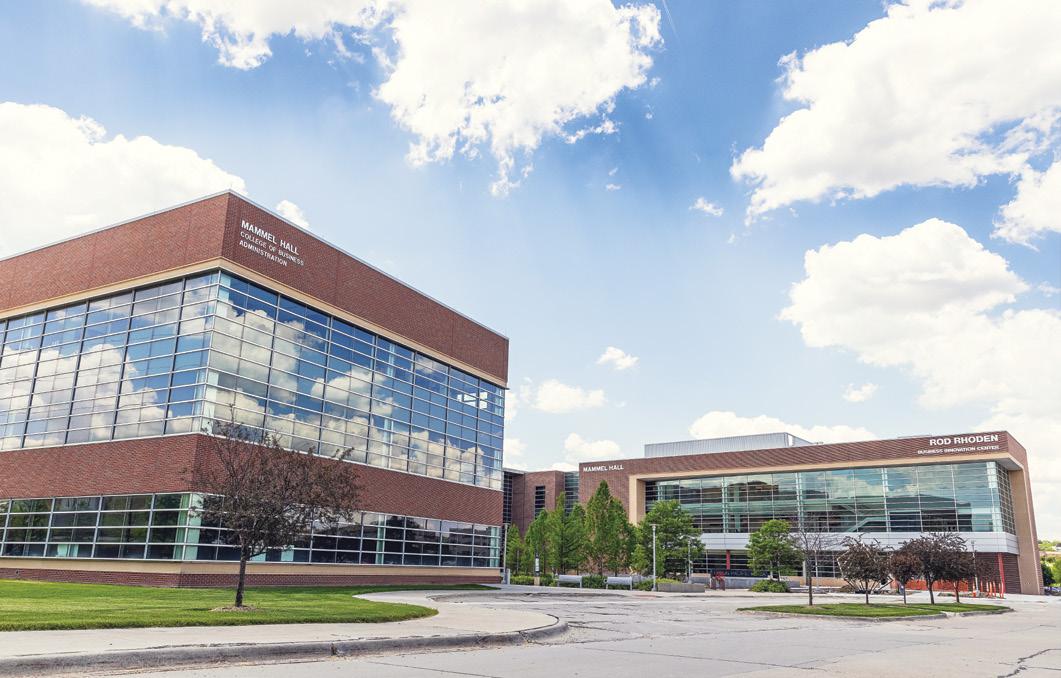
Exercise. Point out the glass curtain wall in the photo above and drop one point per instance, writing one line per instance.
(177, 357)
(166, 527)
(966, 497)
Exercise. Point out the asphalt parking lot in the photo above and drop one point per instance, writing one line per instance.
(661, 635)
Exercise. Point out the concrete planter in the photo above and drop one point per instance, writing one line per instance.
(680, 588)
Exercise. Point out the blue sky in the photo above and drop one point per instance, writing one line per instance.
(564, 266)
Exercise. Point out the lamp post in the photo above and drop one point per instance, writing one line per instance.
(654, 570)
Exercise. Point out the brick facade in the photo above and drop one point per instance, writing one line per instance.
(523, 487)
(208, 230)
(203, 235)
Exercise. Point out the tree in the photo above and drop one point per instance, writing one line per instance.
(677, 539)
(516, 550)
(863, 564)
(814, 544)
(605, 533)
(771, 549)
(537, 540)
(958, 565)
(935, 551)
(1048, 573)
(904, 566)
(266, 497)
(567, 534)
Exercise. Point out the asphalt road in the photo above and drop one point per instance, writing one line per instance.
(705, 636)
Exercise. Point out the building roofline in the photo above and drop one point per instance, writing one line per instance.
(240, 196)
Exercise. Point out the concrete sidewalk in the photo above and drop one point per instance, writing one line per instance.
(456, 625)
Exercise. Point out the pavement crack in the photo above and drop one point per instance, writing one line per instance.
(1021, 660)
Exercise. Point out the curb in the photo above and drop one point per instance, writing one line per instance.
(170, 657)
(875, 620)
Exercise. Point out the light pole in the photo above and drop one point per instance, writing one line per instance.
(654, 570)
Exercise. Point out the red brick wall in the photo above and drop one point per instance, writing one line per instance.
(209, 229)
(523, 495)
(159, 465)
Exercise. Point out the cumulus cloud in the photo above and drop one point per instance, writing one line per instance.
(1035, 210)
(612, 187)
(514, 450)
(292, 213)
(617, 358)
(62, 175)
(719, 424)
(579, 449)
(558, 398)
(859, 394)
(926, 96)
(461, 77)
(932, 300)
(708, 208)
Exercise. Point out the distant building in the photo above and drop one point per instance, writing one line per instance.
(976, 484)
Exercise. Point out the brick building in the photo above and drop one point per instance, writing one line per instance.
(121, 349)
(976, 484)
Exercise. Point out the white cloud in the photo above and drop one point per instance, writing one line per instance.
(1035, 210)
(613, 171)
(579, 449)
(928, 301)
(292, 213)
(612, 187)
(719, 424)
(62, 175)
(932, 94)
(1048, 290)
(563, 466)
(708, 208)
(617, 358)
(513, 455)
(459, 76)
(859, 394)
(558, 398)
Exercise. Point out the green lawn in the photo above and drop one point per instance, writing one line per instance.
(26, 605)
(874, 609)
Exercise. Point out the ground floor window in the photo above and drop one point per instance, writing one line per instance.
(167, 527)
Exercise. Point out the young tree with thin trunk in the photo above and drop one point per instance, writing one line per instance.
(515, 550)
(566, 536)
(538, 542)
(265, 497)
(904, 566)
(771, 549)
(605, 520)
(677, 540)
(959, 566)
(813, 545)
(863, 564)
(936, 551)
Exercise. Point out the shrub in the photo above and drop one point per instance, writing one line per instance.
(593, 581)
(770, 586)
(521, 580)
(645, 585)
(547, 579)
(667, 580)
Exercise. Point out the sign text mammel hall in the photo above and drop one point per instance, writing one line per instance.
(266, 245)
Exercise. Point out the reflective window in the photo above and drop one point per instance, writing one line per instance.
(166, 527)
(181, 356)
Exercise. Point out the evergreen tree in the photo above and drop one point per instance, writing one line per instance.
(606, 533)
(566, 537)
(537, 540)
(517, 552)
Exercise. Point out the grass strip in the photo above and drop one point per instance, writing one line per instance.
(33, 606)
(874, 610)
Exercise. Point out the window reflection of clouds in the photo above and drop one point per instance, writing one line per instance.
(165, 359)
(970, 497)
